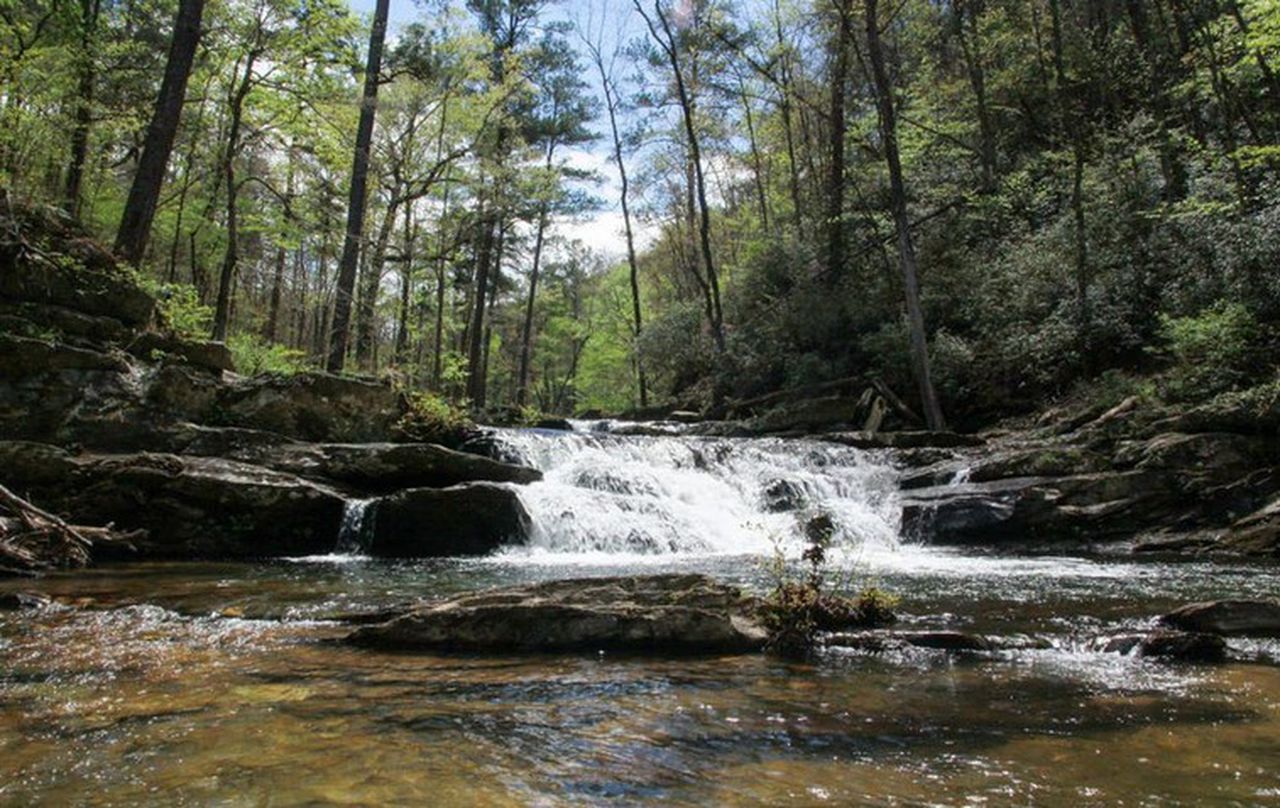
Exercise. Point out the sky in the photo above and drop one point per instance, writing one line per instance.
(602, 231)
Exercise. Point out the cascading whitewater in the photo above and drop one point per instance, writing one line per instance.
(605, 494)
(355, 527)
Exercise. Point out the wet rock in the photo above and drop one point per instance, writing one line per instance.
(191, 507)
(1093, 507)
(1251, 618)
(671, 614)
(465, 520)
(491, 445)
(1181, 646)
(880, 640)
(1047, 461)
(781, 496)
(22, 601)
(555, 424)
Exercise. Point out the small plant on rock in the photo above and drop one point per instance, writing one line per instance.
(802, 606)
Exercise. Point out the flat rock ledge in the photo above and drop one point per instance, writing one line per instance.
(656, 614)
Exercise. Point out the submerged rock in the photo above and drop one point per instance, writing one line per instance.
(464, 520)
(677, 614)
(940, 640)
(1251, 618)
(1181, 646)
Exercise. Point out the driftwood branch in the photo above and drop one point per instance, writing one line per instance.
(31, 538)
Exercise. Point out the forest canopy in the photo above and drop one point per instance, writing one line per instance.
(982, 204)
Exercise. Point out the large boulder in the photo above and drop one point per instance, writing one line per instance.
(1174, 646)
(676, 614)
(82, 277)
(313, 406)
(463, 520)
(1252, 618)
(191, 507)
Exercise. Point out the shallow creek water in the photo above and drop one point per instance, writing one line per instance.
(200, 683)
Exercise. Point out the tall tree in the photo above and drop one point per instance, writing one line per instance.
(670, 45)
(144, 194)
(356, 199)
(902, 222)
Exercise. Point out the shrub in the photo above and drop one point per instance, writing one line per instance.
(180, 308)
(1213, 351)
(253, 355)
(432, 418)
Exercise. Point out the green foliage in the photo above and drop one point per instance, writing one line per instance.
(1212, 352)
(180, 309)
(253, 355)
(434, 419)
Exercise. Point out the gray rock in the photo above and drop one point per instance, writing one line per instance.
(780, 496)
(191, 507)
(312, 407)
(1252, 618)
(672, 614)
(372, 467)
(464, 520)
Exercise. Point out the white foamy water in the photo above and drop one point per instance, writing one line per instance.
(605, 496)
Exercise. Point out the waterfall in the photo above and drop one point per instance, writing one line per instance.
(357, 524)
(605, 494)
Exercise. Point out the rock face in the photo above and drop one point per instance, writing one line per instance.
(1250, 618)
(190, 507)
(313, 407)
(369, 467)
(1162, 481)
(676, 614)
(464, 520)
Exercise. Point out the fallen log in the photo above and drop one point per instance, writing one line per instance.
(33, 539)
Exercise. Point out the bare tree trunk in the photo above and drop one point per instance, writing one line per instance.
(526, 332)
(87, 75)
(222, 311)
(277, 282)
(406, 288)
(898, 199)
(836, 252)
(475, 328)
(140, 208)
(668, 44)
(356, 201)
(375, 263)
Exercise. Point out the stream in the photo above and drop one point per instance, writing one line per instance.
(218, 683)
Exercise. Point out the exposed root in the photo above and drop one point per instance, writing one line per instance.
(34, 539)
